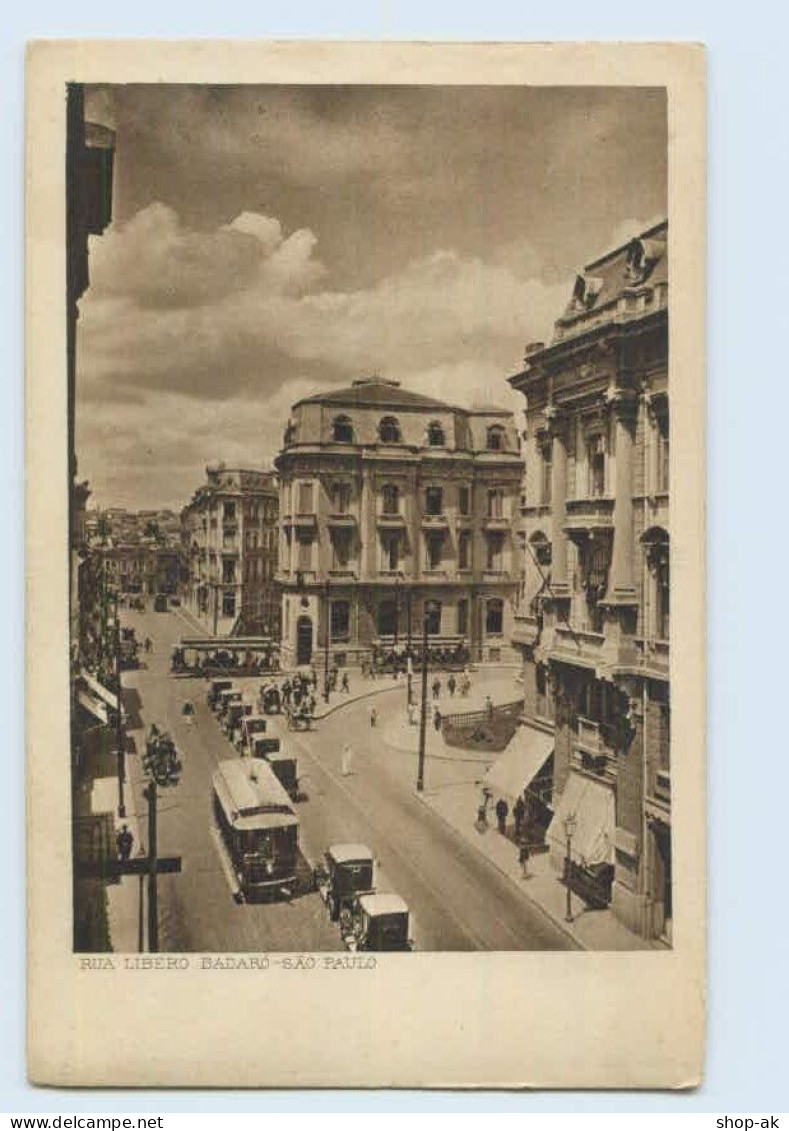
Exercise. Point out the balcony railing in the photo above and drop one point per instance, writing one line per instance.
(390, 519)
(663, 786)
(589, 514)
(434, 520)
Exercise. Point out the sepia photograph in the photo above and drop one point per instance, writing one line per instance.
(370, 486)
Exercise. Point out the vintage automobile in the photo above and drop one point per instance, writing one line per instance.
(283, 765)
(215, 689)
(251, 726)
(349, 873)
(232, 719)
(270, 700)
(231, 695)
(160, 603)
(381, 922)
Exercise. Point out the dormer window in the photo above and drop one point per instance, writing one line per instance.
(435, 435)
(389, 430)
(585, 291)
(495, 441)
(342, 430)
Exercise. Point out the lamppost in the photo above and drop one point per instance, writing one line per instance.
(398, 579)
(420, 775)
(327, 626)
(408, 657)
(570, 825)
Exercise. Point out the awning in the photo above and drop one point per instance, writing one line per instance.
(94, 706)
(99, 690)
(521, 762)
(593, 806)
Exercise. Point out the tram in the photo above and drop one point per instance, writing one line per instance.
(256, 830)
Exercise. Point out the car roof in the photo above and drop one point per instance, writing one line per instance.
(344, 853)
(383, 903)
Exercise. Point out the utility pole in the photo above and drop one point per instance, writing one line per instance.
(120, 738)
(326, 630)
(420, 774)
(141, 906)
(153, 901)
(409, 664)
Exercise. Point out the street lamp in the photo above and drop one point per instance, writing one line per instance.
(398, 579)
(420, 775)
(570, 824)
(409, 661)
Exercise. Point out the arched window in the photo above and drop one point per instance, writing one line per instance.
(342, 430)
(496, 438)
(656, 544)
(435, 435)
(494, 618)
(389, 430)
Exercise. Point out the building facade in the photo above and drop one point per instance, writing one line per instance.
(393, 503)
(593, 622)
(230, 539)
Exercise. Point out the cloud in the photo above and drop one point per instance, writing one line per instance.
(188, 336)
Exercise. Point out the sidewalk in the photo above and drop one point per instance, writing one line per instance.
(123, 905)
(591, 930)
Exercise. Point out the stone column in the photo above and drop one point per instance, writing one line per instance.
(621, 584)
(558, 431)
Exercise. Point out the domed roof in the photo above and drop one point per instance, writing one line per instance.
(375, 392)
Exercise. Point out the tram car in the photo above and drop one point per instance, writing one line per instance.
(256, 830)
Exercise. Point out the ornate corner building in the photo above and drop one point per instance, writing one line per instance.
(396, 509)
(593, 616)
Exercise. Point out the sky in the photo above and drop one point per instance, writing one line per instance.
(270, 242)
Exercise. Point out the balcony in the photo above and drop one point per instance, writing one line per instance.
(390, 521)
(526, 629)
(497, 522)
(343, 520)
(347, 573)
(306, 520)
(585, 515)
(653, 655)
(663, 786)
(434, 521)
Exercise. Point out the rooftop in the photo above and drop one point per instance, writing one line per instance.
(376, 392)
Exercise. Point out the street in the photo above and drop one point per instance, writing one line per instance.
(458, 900)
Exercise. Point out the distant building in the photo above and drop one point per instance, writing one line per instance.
(593, 623)
(229, 536)
(389, 500)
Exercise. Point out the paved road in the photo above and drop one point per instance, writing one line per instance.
(459, 901)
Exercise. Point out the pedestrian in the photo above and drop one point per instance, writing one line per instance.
(125, 842)
(523, 860)
(502, 809)
(451, 684)
(518, 813)
(373, 718)
(437, 719)
(347, 760)
(436, 687)
(411, 715)
(489, 707)
(345, 684)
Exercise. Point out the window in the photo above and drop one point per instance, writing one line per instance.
(494, 619)
(495, 552)
(340, 620)
(541, 687)
(595, 560)
(462, 617)
(662, 455)
(229, 573)
(390, 550)
(595, 457)
(341, 498)
(230, 512)
(464, 501)
(546, 472)
(305, 549)
(389, 430)
(662, 598)
(229, 604)
(434, 501)
(433, 618)
(495, 503)
(305, 498)
(342, 430)
(433, 549)
(391, 499)
(386, 619)
(464, 549)
(341, 548)
(435, 435)
(495, 438)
